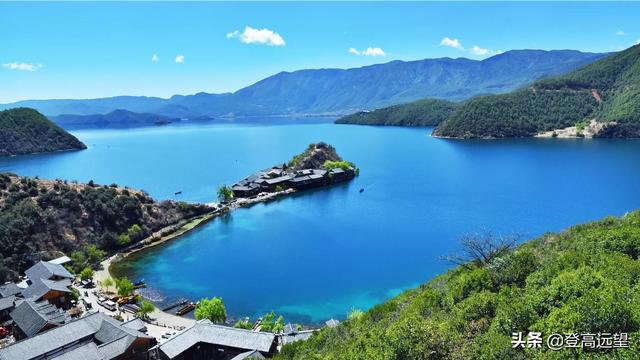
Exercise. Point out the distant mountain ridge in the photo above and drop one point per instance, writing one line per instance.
(116, 118)
(342, 91)
(26, 131)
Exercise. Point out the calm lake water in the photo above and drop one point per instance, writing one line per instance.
(317, 255)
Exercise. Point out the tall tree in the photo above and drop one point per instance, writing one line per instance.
(212, 309)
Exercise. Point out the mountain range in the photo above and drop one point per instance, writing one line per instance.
(598, 100)
(342, 91)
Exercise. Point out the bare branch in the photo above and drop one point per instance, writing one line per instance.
(482, 248)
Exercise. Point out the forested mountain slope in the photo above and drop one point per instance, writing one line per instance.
(427, 112)
(26, 131)
(40, 217)
(607, 91)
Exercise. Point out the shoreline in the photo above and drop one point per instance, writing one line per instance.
(183, 227)
(178, 230)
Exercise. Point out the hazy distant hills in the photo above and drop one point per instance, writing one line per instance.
(115, 118)
(339, 91)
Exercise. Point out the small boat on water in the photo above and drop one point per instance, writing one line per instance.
(176, 304)
(362, 190)
(139, 283)
(186, 309)
(177, 193)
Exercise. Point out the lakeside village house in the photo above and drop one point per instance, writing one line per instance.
(38, 312)
(278, 177)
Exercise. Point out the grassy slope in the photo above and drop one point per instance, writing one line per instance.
(582, 280)
(559, 102)
(26, 131)
(427, 112)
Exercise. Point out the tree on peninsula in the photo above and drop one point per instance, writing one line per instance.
(225, 194)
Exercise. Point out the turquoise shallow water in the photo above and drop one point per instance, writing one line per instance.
(317, 255)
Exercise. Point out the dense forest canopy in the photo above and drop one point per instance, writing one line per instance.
(39, 218)
(581, 281)
(26, 131)
(427, 112)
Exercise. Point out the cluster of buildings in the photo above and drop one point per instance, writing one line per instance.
(278, 177)
(42, 321)
(38, 303)
(43, 325)
(205, 340)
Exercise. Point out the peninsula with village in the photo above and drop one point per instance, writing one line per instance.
(76, 307)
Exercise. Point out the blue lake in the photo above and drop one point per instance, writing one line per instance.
(318, 254)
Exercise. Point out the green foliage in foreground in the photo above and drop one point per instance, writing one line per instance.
(243, 324)
(124, 286)
(583, 280)
(426, 112)
(146, 308)
(271, 323)
(86, 274)
(212, 309)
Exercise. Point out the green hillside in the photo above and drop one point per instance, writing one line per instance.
(39, 218)
(583, 280)
(427, 112)
(26, 131)
(607, 91)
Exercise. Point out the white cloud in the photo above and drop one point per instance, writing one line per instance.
(180, 59)
(257, 36)
(155, 58)
(454, 43)
(637, 42)
(22, 66)
(621, 33)
(370, 51)
(477, 50)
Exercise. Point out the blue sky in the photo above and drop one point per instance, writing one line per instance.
(86, 50)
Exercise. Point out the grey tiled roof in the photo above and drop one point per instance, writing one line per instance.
(32, 317)
(135, 324)
(116, 347)
(253, 354)
(9, 289)
(78, 331)
(293, 337)
(7, 302)
(40, 287)
(46, 270)
(206, 332)
(279, 179)
(88, 351)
